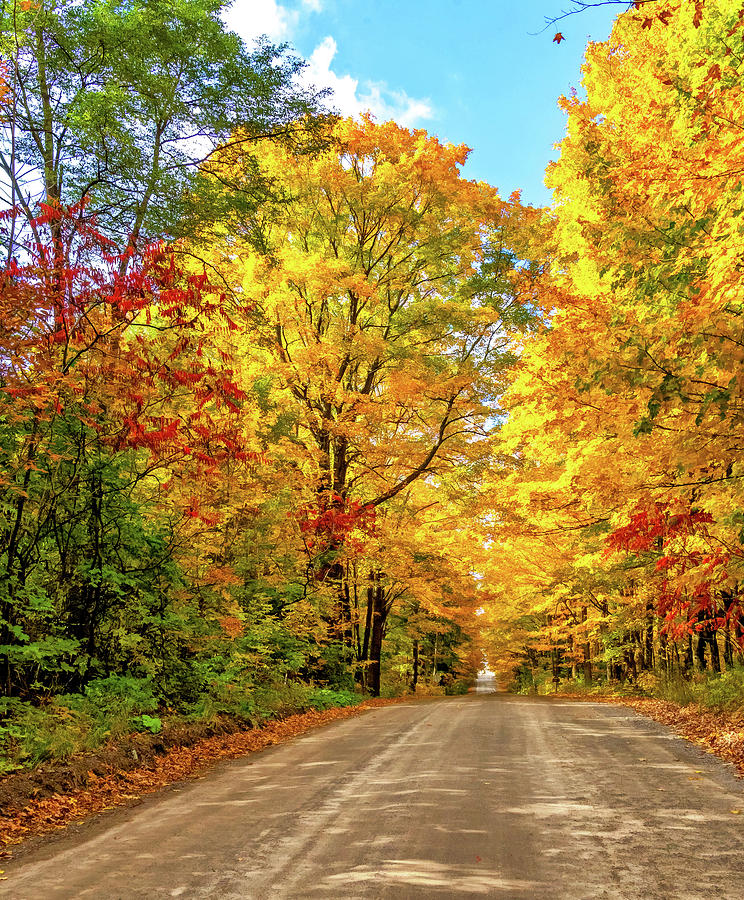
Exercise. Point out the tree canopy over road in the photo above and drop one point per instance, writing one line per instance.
(291, 410)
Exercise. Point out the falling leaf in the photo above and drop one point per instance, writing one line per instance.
(558, 38)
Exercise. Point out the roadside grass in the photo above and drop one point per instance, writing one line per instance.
(722, 691)
(112, 709)
(706, 709)
(54, 795)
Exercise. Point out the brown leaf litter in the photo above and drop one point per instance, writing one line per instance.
(93, 783)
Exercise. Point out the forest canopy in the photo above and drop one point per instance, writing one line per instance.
(291, 410)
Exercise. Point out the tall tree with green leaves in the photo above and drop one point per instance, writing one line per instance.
(113, 104)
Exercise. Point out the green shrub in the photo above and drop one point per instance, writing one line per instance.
(33, 734)
(278, 701)
(110, 708)
(326, 698)
(150, 723)
(676, 690)
(119, 693)
(725, 690)
(394, 684)
(116, 706)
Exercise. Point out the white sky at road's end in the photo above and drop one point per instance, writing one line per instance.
(252, 18)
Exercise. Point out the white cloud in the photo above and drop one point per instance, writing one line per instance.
(375, 96)
(252, 18)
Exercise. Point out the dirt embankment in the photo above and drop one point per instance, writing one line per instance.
(54, 795)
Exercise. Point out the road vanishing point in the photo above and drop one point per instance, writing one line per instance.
(484, 795)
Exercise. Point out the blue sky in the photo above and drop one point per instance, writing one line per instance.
(468, 71)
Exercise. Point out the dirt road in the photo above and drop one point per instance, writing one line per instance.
(477, 796)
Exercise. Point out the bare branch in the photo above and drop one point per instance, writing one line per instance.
(579, 6)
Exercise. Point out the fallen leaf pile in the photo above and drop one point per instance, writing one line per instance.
(720, 733)
(176, 764)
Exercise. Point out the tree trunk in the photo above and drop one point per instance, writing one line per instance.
(687, 659)
(375, 643)
(649, 642)
(700, 652)
(364, 655)
(587, 663)
(715, 656)
(630, 663)
(572, 654)
(664, 657)
(414, 680)
(728, 598)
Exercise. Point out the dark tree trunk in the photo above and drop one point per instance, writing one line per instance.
(707, 636)
(664, 658)
(715, 657)
(728, 598)
(630, 664)
(364, 654)
(649, 648)
(375, 643)
(640, 653)
(700, 652)
(728, 647)
(414, 680)
(587, 664)
(687, 659)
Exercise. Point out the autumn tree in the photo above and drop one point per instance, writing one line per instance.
(120, 418)
(379, 301)
(104, 407)
(625, 413)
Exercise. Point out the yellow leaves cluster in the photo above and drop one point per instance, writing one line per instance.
(634, 394)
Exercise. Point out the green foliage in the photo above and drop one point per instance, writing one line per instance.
(326, 698)
(334, 668)
(531, 680)
(718, 691)
(31, 735)
(116, 706)
(127, 88)
(456, 687)
(394, 683)
(725, 690)
(119, 695)
(151, 723)
(108, 708)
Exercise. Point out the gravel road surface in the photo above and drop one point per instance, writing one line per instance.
(485, 795)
